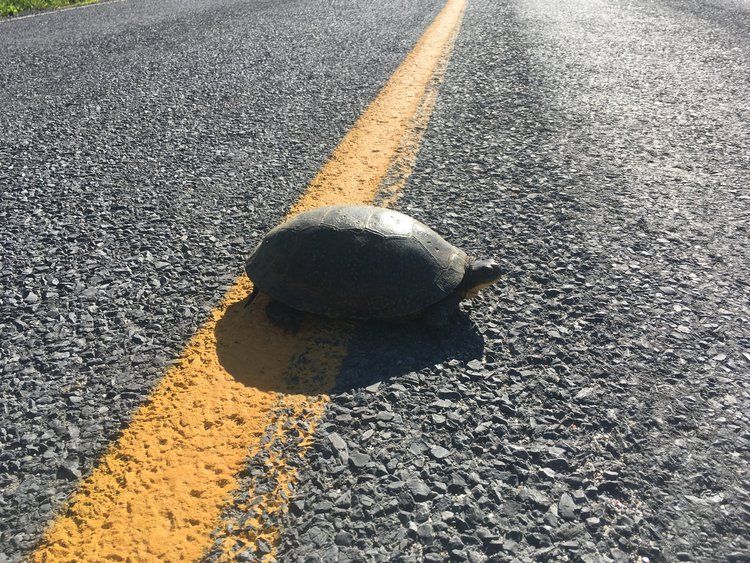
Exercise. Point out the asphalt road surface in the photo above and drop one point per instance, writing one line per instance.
(593, 406)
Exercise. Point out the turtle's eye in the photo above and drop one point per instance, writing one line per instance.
(486, 272)
(493, 270)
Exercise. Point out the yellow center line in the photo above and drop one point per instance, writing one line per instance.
(159, 490)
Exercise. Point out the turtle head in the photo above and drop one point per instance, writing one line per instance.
(481, 274)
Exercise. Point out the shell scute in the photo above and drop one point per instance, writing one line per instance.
(390, 223)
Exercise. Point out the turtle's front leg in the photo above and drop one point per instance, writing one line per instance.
(439, 315)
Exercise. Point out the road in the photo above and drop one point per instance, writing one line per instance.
(592, 407)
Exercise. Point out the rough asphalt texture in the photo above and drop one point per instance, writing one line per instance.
(593, 407)
(144, 149)
(600, 149)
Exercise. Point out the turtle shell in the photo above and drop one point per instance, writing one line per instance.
(356, 261)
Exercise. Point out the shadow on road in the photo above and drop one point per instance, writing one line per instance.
(379, 351)
(328, 356)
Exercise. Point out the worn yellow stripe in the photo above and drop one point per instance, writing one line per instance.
(158, 492)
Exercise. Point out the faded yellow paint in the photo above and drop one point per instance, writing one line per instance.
(405, 156)
(158, 492)
(359, 164)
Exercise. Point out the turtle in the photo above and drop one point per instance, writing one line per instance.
(366, 263)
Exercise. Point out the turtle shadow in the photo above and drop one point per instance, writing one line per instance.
(380, 351)
(330, 356)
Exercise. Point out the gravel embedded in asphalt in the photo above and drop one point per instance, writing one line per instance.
(592, 407)
(596, 410)
(144, 149)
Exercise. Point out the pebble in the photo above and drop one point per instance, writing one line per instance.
(358, 459)
(419, 490)
(439, 452)
(566, 507)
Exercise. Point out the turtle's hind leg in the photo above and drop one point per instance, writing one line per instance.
(251, 297)
(284, 316)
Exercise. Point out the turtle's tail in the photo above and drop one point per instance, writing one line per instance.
(251, 298)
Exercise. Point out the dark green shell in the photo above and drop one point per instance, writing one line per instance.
(356, 261)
